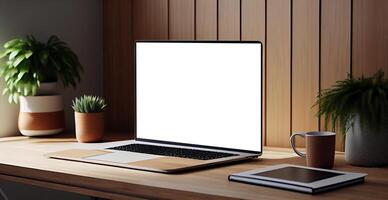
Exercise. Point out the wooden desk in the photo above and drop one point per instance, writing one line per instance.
(22, 160)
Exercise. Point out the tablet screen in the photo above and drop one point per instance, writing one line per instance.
(298, 174)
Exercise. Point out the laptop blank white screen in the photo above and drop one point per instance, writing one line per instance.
(199, 93)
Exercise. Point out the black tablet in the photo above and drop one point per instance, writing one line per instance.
(298, 178)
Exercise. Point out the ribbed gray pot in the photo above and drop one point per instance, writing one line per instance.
(367, 147)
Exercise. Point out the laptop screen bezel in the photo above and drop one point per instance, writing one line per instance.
(188, 144)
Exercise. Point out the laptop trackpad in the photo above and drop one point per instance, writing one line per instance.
(123, 157)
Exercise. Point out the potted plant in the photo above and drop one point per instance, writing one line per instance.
(360, 108)
(31, 72)
(89, 118)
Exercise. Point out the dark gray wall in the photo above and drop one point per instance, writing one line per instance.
(77, 22)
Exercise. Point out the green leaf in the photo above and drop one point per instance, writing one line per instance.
(3, 54)
(43, 56)
(33, 89)
(11, 43)
(15, 98)
(26, 91)
(5, 91)
(20, 76)
(14, 54)
(89, 104)
(12, 71)
(28, 54)
(10, 99)
(2, 70)
(18, 60)
(7, 77)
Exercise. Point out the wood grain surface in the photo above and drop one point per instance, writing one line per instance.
(370, 41)
(206, 19)
(118, 68)
(181, 19)
(335, 49)
(305, 65)
(278, 73)
(22, 160)
(150, 19)
(229, 19)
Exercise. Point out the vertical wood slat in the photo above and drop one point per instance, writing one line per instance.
(117, 66)
(335, 48)
(305, 65)
(278, 72)
(228, 19)
(370, 40)
(149, 22)
(253, 28)
(206, 19)
(181, 19)
(150, 19)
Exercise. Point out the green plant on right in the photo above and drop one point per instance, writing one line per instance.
(89, 104)
(366, 97)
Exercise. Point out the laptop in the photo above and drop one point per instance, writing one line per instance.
(198, 104)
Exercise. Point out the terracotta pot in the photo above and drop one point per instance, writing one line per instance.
(41, 115)
(89, 127)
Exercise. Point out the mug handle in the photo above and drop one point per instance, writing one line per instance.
(292, 139)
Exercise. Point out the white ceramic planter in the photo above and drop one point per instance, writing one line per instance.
(41, 115)
(365, 146)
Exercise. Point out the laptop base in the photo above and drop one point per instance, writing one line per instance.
(161, 164)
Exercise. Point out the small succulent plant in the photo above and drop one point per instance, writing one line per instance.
(89, 104)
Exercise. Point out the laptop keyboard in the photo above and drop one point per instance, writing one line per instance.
(172, 151)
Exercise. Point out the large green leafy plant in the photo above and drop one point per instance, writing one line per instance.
(29, 62)
(363, 97)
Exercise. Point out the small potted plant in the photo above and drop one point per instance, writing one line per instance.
(89, 118)
(360, 108)
(31, 72)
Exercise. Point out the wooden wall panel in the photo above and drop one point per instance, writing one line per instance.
(353, 38)
(206, 19)
(253, 28)
(370, 36)
(229, 19)
(117, 65)
(181, 19)
(278, 72)
(253, 20)
(149, 22)
(150, 19)
(305, 65)
(335, 48)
